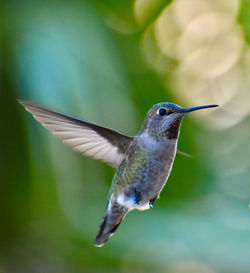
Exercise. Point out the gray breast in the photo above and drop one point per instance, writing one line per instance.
(155, 168)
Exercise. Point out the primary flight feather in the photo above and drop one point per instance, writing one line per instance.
(92, 140)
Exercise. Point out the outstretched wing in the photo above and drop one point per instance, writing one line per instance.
(92, 140)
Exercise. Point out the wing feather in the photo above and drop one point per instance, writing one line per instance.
(88, 138)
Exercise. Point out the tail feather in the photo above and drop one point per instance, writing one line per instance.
(110, 223)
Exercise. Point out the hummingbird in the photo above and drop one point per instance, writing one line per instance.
(143, 162)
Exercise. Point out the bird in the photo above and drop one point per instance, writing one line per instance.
(143, 163)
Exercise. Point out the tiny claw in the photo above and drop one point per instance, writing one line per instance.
(151, 202)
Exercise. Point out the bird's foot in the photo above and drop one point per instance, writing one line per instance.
(151, 202)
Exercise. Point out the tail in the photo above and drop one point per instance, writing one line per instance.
(110, 223)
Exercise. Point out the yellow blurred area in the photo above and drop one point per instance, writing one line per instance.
(207, 42)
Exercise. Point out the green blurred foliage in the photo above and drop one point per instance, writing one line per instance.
(85, 58)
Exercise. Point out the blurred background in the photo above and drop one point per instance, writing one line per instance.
(109, 62)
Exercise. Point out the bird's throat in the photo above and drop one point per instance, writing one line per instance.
(173, 130)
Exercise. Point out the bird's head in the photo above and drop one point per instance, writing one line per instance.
(164, 119)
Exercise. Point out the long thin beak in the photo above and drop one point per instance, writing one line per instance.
(187, 110)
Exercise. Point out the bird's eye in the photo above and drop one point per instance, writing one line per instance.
(161, 112)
